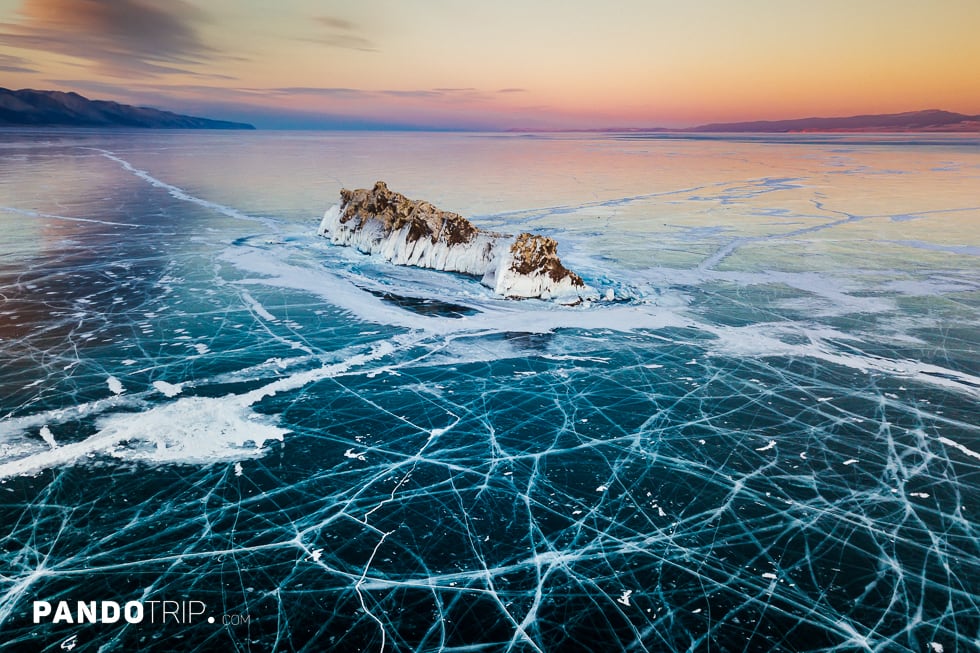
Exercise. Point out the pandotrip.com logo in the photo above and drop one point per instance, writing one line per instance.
(163, 613)
(133, 612)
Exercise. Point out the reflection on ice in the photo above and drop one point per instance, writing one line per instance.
(768, 442)
(426, 305)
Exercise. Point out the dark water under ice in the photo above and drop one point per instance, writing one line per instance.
(769, 442)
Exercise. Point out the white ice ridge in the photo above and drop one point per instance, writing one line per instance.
(409, 232)
(960, 447)
(496, 316)
(179, 193)
(36, 214)
(190, 429)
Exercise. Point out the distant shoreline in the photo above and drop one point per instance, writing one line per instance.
(68, 110)
(31, 108)
(928, 121)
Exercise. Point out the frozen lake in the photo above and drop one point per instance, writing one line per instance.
(769, 441)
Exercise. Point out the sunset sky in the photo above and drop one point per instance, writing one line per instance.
(508, 64)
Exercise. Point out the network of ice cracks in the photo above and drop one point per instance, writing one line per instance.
(357, 468)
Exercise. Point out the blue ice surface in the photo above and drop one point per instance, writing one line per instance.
(769, 441)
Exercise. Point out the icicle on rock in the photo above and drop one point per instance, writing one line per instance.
(414, 232)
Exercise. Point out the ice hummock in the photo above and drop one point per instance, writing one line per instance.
(414, 232)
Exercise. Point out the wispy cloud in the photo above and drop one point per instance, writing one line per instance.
(122, 38)
(512, 90)
(250, 104)
(416, 93)
(337, 92)
(310, 107)
(342, 33)
(11, 64)
(244, 93)
(356, 93)
(156, 94)
(335, 23)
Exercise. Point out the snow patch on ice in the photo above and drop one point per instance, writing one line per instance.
(960, 447)
(342, 290)
(350, 453)
(190, 430)
(48, 437)
(257, 308)
(115, 385)
(199, 430)
(772, 340)
(168, 389)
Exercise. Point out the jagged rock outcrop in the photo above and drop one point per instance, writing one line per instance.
(414, 232)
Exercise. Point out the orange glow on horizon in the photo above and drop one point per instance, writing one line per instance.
(577, 65)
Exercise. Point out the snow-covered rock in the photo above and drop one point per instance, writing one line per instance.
(414, 232)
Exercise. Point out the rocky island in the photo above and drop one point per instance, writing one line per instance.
(414, 232)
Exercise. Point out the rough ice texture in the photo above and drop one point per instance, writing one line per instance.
(414, 232)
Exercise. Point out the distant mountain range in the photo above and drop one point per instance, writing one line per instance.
(30, 108)
(930, 120)
(56, 108)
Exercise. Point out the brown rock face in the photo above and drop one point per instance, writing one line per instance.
(531, 253)
(394, 211)
(414, 232)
